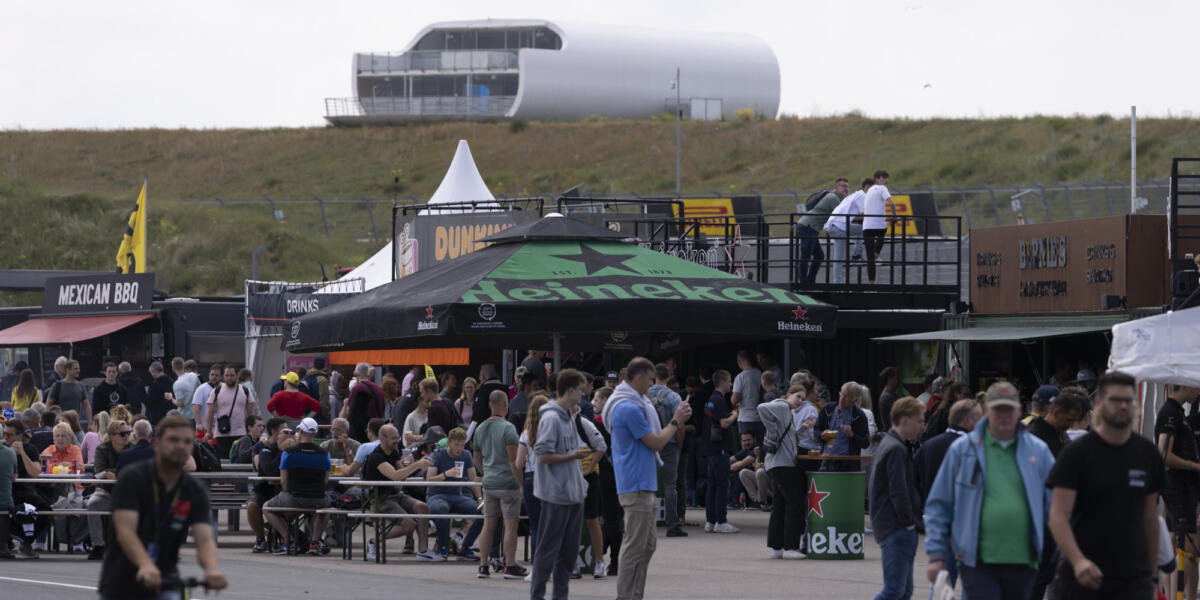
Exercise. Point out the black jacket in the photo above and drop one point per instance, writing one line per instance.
(895, 501)
(137, 391)
(858, 425)
(929, 458)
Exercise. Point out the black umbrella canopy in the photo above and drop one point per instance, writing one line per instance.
(598, 293)
(554, 227)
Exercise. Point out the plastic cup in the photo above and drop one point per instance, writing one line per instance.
(458, 465)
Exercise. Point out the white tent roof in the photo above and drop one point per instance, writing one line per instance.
(462, 183)
(1164, 348)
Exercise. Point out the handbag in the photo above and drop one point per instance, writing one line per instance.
(223, 424)
(770, 444)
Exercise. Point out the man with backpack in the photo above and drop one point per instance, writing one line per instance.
(317, 380)
(845, 224)
(665, 402)
(817, 209)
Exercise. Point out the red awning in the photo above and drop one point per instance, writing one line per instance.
(63, 330)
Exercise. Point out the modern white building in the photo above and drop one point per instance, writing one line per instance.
(543, 70)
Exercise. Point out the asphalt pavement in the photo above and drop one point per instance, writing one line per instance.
(724, 566)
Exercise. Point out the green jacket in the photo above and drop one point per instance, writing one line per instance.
(816, 217)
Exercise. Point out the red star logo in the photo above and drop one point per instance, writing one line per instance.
(428, 312)
(815, 498)
(799, 314)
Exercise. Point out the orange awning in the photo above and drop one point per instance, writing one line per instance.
(64, 330)
(409, 356)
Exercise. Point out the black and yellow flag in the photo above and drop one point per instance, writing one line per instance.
(131, 256)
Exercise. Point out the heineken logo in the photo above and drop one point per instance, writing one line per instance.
(595, 261)
(498, 292)
(815, 498)
(429, 323)
(834, 543)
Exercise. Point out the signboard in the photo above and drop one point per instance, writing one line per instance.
(722, 211)
(1068, 266)
(98, 294)
(835, 521)
(277, 308)
(904, 208)
(426, 240)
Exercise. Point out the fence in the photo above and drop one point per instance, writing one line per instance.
(365, 219)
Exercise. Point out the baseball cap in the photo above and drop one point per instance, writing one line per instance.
(1085, 375)
(432, 435)
(291, 377)
(308, 424)
(612, 375)
(1003, 393)
(1046, 394)
(521, 370)
(20, 366)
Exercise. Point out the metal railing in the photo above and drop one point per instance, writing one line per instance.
(978, 206)
(415, 107)
(436, 60)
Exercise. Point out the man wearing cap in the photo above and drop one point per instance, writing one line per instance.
(990, 486)
(1177, 443)
(1042, 398)
(292, 404)
(303, 474)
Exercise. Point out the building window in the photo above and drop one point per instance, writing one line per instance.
(434, 40)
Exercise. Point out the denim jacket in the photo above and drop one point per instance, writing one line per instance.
(956, 498)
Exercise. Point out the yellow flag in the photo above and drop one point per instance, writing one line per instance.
(131, 256)
(429, 372)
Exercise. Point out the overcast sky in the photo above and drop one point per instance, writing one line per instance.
(220, 63)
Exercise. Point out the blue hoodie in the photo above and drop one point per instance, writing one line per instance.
(956, 498)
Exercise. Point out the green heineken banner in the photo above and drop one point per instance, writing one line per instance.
(835, 515)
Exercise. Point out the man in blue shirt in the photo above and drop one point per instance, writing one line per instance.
(636, 438)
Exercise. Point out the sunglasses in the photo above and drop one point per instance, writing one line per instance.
(287, 432)
(124, 433)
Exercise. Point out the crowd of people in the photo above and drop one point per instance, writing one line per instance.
(568, 451)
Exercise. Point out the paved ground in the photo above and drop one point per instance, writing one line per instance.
(700, 566)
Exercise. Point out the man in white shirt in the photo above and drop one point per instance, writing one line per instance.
(875, 220)
(203, 391)
(848, 213)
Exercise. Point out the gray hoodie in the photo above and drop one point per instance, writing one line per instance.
(560, 483)
(777, 418)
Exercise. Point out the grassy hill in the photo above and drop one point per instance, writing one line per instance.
(67, 192)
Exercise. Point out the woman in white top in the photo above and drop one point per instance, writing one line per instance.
(864, 402)
(415, 421)
(526, 462)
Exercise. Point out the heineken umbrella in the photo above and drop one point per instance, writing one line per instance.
(566, 280)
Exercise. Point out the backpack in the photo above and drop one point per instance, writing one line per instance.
(811, 202)
(659, 402)
(318, 386)
(207, 460)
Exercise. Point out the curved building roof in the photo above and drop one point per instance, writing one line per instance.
(621, 71)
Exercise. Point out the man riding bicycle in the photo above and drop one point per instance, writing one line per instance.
(154, 503)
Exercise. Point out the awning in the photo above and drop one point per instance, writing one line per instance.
(995, 334)
(65, 330)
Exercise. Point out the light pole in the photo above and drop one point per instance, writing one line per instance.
(678, 118)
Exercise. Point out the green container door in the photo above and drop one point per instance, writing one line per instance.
(835, 515)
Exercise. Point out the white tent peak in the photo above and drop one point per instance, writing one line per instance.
(462, 183)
